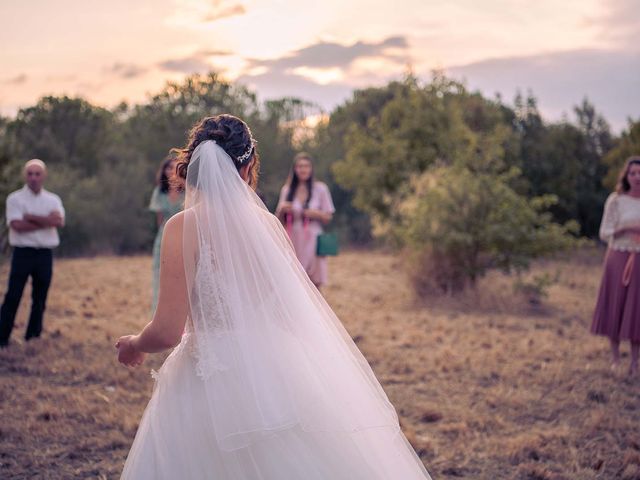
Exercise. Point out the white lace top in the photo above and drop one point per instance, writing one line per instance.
(621, 211)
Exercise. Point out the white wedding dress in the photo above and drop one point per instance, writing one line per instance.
(266, 384)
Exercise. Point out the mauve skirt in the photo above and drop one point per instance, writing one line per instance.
(617, 313)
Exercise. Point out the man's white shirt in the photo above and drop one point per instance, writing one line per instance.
(24, 201)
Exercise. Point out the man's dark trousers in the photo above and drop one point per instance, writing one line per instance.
(25, 262)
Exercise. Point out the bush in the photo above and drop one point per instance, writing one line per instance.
(459, 224)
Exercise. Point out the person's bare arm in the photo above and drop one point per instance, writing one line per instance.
(283, 209)
(54, 219)
(324, 213)
(324, 217)
(159, 219)
(284, 206)
(24, 226)
(167, 326)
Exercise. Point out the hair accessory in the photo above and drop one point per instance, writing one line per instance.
(246, 155)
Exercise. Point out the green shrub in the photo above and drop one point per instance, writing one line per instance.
(459, 224)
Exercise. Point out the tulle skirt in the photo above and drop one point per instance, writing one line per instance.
(177, 439)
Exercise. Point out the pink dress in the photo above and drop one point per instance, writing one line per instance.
(304, 232)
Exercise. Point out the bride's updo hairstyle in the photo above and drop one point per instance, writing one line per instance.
(230, 133)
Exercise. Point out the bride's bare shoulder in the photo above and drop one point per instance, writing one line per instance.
(177, 221)
(180, 232)
(173, 228)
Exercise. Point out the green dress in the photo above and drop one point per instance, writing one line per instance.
(160, 203)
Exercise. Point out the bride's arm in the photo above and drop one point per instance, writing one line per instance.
(165, 330)
(167, 326)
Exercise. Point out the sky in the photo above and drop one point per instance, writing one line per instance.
(121, 50)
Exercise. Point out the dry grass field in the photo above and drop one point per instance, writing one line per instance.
(487, 386)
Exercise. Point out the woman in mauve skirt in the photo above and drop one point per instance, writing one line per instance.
(617, 313)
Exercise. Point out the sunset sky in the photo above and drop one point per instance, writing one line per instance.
(320, 51)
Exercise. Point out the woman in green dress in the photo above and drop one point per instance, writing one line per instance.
(166, 201)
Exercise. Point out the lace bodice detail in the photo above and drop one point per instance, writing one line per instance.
(209, 296)
(621, 211)
(209, 316)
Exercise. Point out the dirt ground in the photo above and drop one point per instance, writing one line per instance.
(487, 386)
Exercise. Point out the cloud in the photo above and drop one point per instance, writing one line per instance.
(17, 80)
(219, 10)
(198, 62)
(126, 70)
(609, 78)
(215, 53)
(192, 14)
(280, 84)
(327, 72)
(192, 64)
(329, 54)
(620, 24)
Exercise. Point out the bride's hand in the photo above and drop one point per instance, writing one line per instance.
(128, 354)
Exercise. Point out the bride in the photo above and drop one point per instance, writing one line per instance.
(264, 383)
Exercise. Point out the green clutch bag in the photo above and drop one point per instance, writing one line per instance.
(327, 245)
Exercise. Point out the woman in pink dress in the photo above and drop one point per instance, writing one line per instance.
(617, 313)
(305, 206)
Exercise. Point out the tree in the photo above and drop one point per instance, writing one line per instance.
(162, 123)
(627, 145)
(276, 128)
(565, 159)
(596, 143)
(420, 127)
(150, 130)
(5, 183)
(62, 130)
(410, 132)
(330, 142)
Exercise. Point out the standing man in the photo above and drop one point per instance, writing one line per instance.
(33, 217)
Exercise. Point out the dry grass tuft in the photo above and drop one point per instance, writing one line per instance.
(631, 472)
